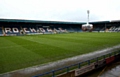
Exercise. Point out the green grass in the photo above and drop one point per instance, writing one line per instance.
(18, 52)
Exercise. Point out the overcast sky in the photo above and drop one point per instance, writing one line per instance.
(60, 10)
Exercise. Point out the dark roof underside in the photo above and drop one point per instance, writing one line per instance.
(53, 22)
(38, 21)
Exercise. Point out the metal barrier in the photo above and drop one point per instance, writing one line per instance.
(67, 69)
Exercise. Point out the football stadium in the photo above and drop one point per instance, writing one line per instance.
(27, 44)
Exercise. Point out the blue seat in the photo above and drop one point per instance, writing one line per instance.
(1, 31)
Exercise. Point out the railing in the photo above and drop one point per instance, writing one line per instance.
(67, 69)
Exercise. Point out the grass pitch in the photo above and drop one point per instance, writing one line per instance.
(18, 52)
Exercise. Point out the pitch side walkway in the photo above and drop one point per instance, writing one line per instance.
(31, 71)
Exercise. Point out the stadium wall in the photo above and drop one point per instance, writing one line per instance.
(88, 65)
